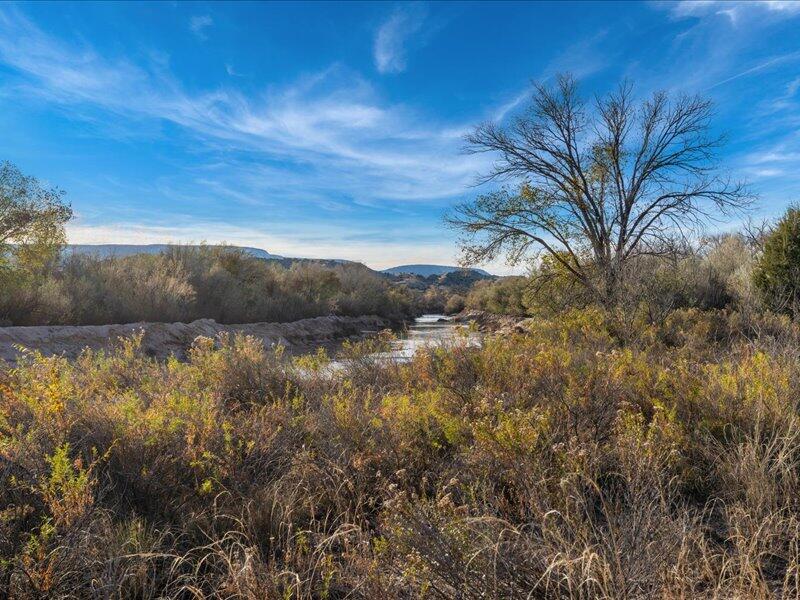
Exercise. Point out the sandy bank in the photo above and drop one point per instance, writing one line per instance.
(164, 339)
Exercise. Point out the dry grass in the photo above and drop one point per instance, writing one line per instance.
(557, 464)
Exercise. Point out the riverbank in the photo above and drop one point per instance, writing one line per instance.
(487, 322)
(162, 340)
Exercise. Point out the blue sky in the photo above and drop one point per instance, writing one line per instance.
(335, 130)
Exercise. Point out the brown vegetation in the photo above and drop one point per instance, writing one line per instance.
(716, 273)
(562, 463)
(190, 283)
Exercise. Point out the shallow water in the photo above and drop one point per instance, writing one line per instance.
(425, 332)
(428, 331)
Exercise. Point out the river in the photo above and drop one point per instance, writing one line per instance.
(428, 331)
(424, 332)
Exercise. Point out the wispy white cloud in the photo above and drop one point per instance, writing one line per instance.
(774, 155)
(331, 125)
(733, 10)
(509, 107)
(393, 37)
(787, 6)
(230, 70)
(722, 54)
(714, 46)
(792, 87)
(581, 60)
(766, 64)
(769, 172)
(198, 24)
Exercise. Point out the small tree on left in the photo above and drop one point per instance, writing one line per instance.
(32, 219)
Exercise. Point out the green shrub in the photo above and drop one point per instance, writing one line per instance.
(503, 296)
(777, 274)
(455, 304)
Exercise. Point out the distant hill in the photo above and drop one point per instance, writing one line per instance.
(120, 250)
(428, 270)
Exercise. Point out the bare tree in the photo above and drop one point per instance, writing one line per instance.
(599, 184)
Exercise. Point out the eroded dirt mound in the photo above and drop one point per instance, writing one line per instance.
(165, 339)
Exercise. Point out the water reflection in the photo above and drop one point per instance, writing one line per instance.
(428, 331)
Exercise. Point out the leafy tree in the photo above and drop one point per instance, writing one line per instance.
(600, 184)
(777, 273)
(32, 219)
(455, 304)
(504, 296)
